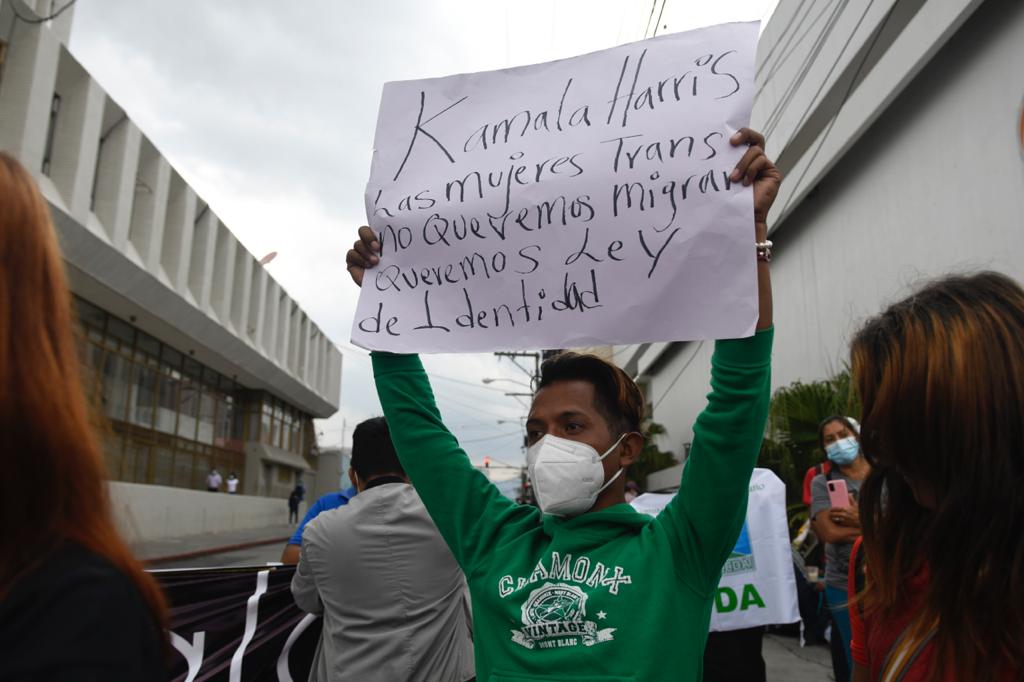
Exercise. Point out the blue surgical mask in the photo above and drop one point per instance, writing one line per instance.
(843, 451)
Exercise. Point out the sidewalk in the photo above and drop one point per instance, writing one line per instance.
(156, 552)
(786, 661)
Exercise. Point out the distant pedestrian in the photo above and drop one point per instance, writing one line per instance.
(293, 505)
(836, 522)
(232, 483)
(332, 500)
(74, 603)
(213, 481)
(394, 602)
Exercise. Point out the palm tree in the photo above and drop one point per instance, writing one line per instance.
(652, 458)
(791, 443)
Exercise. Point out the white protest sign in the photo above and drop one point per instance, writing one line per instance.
(757, 585)
(583, 201)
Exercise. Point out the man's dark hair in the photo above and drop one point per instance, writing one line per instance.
(373, 453)
(616, 396)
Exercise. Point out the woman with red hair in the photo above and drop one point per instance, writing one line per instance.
(941, 379)
(74, 603)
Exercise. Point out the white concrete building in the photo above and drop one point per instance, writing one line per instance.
(200, 358)
(898, 126)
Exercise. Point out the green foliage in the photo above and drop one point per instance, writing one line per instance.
(652, 458)
(796, 514)
(791, 447)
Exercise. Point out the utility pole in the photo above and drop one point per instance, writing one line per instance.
(535, 374)
(525, 487)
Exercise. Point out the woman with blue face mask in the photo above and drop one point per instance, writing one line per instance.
(838, 526)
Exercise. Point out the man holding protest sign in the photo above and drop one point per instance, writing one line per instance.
(566, 590)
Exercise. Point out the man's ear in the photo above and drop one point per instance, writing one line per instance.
(629, 449)
(352, 478)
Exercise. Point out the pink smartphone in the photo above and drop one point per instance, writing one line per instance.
(837, 494)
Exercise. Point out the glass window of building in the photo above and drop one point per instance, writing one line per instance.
(146, 344)
(89, 316)
(208, 400)
(115, 385)
(202, 464)
(112, 444)
(223, 435)
(266, 424)
(135, 463)
(171, 418)
(188, 408)
(121, 333)
(167, 401)
(183, 465)
(162, 464)
(143, 390)
(170, 357)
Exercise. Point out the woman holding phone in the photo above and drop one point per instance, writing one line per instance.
(836, 522)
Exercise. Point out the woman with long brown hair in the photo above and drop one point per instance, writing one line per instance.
(941, 377)
(74, 603)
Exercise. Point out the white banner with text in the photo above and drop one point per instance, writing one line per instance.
(757, 585)
(578, 202)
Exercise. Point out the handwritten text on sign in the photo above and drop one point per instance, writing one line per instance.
(580, 202)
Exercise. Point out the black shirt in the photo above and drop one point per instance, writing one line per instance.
(77, 617)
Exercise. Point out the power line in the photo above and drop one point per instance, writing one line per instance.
(470, 406)
(660, 14)
(486, 438)
(787, 52)
(842, 103)
(839, 57)
(356, 352)
(678, 374)
(778, 42)
(41, 20)
(654, 3)
(805, 67)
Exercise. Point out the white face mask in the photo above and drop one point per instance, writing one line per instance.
(566, 474)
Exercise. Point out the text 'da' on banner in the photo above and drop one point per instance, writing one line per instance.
(578, 202)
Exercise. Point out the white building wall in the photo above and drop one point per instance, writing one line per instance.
(116, 169)
(149, 206)
(934, 184)
(29, 79)
(138, 241)
(154, 512)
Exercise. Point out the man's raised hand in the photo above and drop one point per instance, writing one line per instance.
(757, 169)
(363, 255)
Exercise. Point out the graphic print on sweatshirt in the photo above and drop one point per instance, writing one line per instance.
(554, 614)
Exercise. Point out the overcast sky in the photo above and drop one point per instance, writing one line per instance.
(268, 110)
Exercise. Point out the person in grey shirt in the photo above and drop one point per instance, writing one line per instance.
(394, 602)
(839, 527)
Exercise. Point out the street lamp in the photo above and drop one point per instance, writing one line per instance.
(490, 380)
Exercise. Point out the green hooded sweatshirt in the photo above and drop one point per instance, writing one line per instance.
(607, 595)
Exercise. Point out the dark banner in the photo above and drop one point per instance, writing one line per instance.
(238, 624)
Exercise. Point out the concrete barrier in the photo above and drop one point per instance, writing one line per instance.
(154, 512)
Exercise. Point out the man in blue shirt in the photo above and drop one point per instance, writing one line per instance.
(290, 555)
